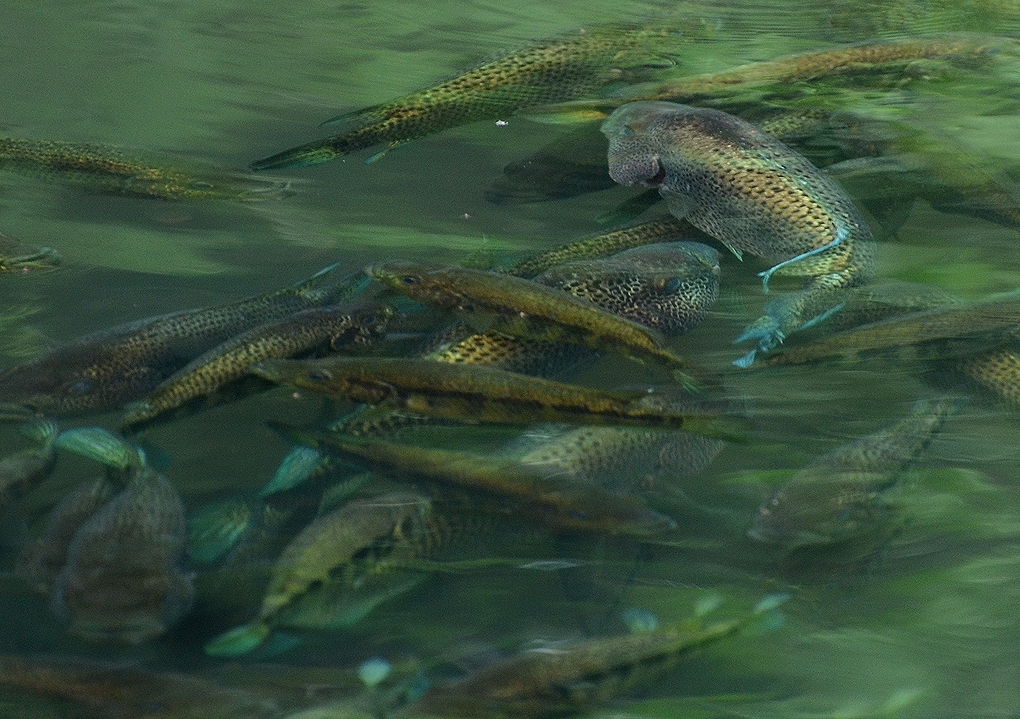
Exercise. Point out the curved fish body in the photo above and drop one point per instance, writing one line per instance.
(365, 527)
(752, 193)
(107, 170)
(526, 309)
(997, 371)
(477, 393)
(838, 496)
(103, 370)
(949, 330)
(16, 256)
(571, 679)
(306, 333)
(554, 501)
(553, 70)
(123, 579)
(669, 287)
(20, 470)
(603, 244)
(460, 344)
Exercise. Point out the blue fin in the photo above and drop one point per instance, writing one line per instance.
(101, 445)
(300, 464)
(767, 274)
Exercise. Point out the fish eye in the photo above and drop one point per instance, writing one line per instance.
(409, 280)
(626, 131)
(370, 320)
(81, 387)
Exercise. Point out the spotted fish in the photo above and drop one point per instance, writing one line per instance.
(103, 370)
(107, 170)
(753, 194)
(838, 496)
(553, 70)
(304, 333)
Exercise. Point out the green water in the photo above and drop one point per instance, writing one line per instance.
(926, 627)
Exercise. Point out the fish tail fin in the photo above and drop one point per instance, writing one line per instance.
(300, 464)
(42, 430)
(239, 640)
(101, 445)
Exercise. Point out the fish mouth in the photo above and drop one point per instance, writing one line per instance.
(658, 178)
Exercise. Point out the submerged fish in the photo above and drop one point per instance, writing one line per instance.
(365, 530)
(309, 332)
(997, 370)
(16, 256)
(838, 496)
(103, 370)
(477, 393)
(523, 308)
(669, 286)
(24, 468)
(123, 578)
(578, 677)
(753, 194)
(114, 171)
(549, 71)
(555, 501)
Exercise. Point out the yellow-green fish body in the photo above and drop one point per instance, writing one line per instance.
(750, 192)
(837, 497)
(103, 370)
(554, 70)
(16, 256)
(997, 371)
(477, 393)
(303, 333)
(110, 170)
(526, 309)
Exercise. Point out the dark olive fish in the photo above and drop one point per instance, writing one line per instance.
(110, 170)
(123, 578)
(106, 369)
(942, 332)
(330, 543)
(307, 333)
(460, 344)
(43, 559)
(553, 70)
(557, 502)
(16, 256)
(522, 308)
(838, 496)
(669, 286)
(753, 194)
(476, 393)
(574, 678)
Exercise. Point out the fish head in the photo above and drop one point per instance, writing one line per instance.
(634, 156)
(427, 284)
(302, 374)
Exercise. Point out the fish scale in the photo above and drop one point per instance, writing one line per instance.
(551, 71)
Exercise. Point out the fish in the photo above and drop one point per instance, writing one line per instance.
(477, 393)
(103, 370)
(553, 70)
(123, 579)
(22, 469)
(460, 344)
(365, 530)
(523, 308)
(997, 370)
(667, 286)
(946, 331)
(753, 194)
(221, 372)
(553, 501)
(16, 256)
(44, 558)
(577, 677)
(108, 170)
(216, 528)
(838, 497)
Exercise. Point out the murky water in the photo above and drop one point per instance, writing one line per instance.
(921, 625)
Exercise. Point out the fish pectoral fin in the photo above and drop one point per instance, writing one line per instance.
(239, 640)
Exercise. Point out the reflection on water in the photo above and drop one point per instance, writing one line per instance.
(498, 573)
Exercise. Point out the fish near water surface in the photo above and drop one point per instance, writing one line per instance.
(107, 170)
(308, 332)
(554, 70)
(123, 579)
(753, 194)
(529, 310)
(838, 496)
(105, 369)
(16, 256)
